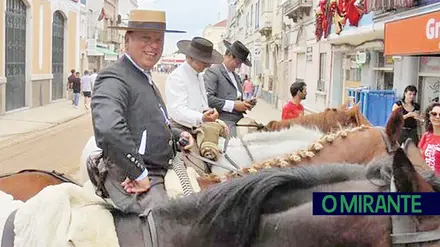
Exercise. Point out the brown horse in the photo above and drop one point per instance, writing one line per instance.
(343, 146)
(274, 208)
(25, 184)
(359, 145)
(331, 119)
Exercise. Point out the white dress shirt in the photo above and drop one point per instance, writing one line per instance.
(186, 96)
(229, 104)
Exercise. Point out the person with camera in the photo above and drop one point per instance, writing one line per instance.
(225, 88)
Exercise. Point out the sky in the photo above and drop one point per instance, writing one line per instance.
(191, 16)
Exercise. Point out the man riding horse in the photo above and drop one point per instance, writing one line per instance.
(224, 86)
(130, 120)
(185, 89)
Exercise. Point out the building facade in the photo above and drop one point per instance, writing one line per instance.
(216, 34)
(305, 40)
(39, 45)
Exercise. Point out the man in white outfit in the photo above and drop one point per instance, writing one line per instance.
(185, 92)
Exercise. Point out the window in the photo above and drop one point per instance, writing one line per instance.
(384, 72)
(353, 71)
(322, 74)
(257, 15)
(300, 66)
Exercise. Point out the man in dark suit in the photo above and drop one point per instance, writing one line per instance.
(130, 119)
(224, 86)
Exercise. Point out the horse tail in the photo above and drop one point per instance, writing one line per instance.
(232, 211)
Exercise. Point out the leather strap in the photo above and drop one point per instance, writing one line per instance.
(8, 232)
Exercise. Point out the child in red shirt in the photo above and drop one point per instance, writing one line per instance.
(294, 108)
(429, 144)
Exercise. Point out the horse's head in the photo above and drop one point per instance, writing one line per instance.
(408, 180)
(354, 116)
(394, 126)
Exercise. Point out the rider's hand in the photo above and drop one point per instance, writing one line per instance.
(242, 106)
(186, 135)
(210, 115)
(140, 186)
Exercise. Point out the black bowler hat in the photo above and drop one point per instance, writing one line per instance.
(200, 49)
(239, 51)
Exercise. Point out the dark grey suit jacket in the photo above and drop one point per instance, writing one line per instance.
(124, 107)
(219, 88)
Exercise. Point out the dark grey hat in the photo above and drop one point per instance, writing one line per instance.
(239, 51)
(200, 49)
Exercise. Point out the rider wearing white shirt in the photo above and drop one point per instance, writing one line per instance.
(185, 92)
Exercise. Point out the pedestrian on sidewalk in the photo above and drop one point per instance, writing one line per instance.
(93, 78)
(70, 86)
(248, 88)
(224, 86)
(76, 87)
(294, 108)
(86, 87)
(130, 119)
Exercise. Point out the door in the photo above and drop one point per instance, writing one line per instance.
(57, 55)
(15, 54)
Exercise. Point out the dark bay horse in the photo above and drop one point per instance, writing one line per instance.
(273, 208)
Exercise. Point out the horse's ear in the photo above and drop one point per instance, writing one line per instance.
(344, 106)
(394, 126)
(406, 177)
(355, 109)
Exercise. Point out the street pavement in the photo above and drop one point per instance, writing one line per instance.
(52, 137)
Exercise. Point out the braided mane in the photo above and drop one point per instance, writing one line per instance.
(292, 159)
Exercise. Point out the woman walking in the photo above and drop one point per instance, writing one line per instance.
(410, 110)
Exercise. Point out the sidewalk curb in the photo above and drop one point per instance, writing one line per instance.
(32, 134)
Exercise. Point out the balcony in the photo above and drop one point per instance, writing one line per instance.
(265, 27)
(295, 9)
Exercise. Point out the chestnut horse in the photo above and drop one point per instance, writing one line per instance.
(25, 184)
(330, 120)
(274, 208)
(359, 145)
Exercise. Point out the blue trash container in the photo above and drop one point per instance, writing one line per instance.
(377, 105)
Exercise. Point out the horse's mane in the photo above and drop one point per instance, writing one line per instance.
(294, 158)
(230, 212)
(326, 121)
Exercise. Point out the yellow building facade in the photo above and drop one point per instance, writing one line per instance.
(39, 45)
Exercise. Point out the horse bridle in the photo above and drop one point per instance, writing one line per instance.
(404, 229)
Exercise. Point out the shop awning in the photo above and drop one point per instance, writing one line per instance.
(417, 35)
(109, 55)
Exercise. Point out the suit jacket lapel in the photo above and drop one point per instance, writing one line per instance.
(225, 74)
(239, 83)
